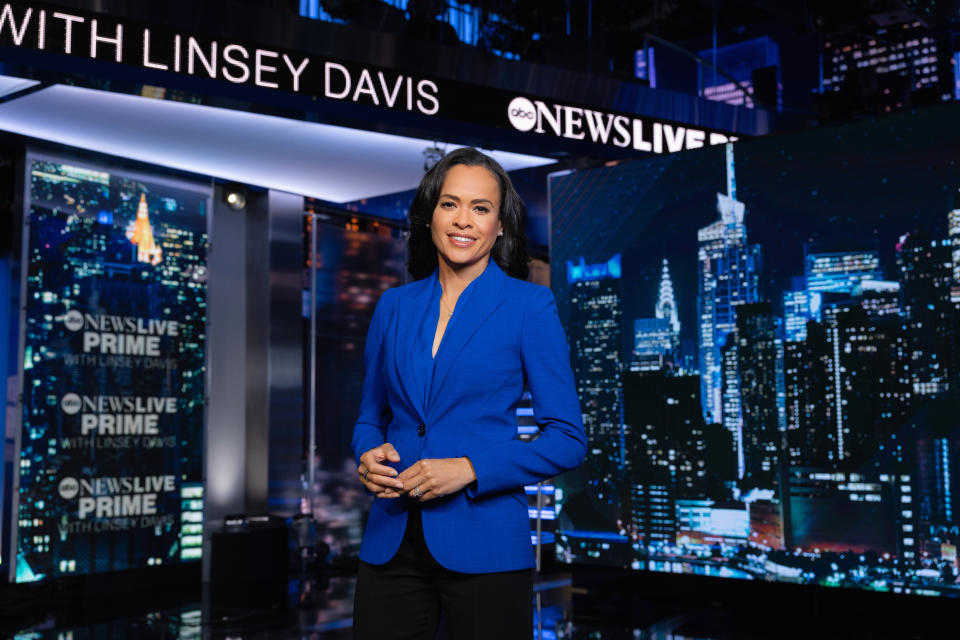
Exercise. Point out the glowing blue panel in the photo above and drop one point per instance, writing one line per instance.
(601, 271)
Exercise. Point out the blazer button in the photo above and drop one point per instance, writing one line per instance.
(421, 430)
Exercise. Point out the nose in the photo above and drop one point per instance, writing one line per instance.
(462, 219)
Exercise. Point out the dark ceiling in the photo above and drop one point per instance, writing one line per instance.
(602, 36)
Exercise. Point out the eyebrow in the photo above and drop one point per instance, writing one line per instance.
(475, 201)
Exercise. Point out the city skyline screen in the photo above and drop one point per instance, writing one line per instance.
(766, 342)
(110, 460)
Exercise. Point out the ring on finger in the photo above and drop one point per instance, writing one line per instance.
(416, 492)
(365, 473)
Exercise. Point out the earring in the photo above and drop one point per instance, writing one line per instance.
(500, 234)
(428, 224)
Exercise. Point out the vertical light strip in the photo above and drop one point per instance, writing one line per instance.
(835, 331)
(311, 459)
(947, 493)
(956, 75)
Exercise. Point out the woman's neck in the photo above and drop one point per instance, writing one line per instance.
(454, 281)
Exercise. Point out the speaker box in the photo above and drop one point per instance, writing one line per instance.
(249, 565)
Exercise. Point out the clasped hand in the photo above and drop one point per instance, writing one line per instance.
(424, 480)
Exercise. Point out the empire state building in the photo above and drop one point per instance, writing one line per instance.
(140, 233)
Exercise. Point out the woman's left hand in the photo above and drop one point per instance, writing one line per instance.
(436, 477)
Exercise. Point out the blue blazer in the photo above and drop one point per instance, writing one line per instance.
(505, 332)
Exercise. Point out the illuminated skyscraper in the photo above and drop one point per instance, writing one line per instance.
(799, 307)
(871, 376)
(852, 511)
(811, 432)
(652, 516)
(729, 276)
(793, 381)
(936, 467)
(665, 447)
(732, 413)
(140, 233)
(938, 473)
(667, 303)
(926, 274)
(840, 271)
(847, 389)
(652, 343)
(757, 369)
(879, 298)
(595, 313)
(665, 442)
(835, 321)
(657, 339)
(953, 228)
(902, 58)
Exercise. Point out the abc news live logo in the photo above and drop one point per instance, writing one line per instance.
(577, 123)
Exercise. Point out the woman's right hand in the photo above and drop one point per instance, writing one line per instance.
(379, 479)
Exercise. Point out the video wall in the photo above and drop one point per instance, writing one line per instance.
(113, 369)
(766, 343)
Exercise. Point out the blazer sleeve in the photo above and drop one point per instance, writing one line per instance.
(562, 443)
(370, 429)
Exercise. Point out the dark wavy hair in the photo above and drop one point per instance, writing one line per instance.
(509, 250)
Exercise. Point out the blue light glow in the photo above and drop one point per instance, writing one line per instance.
(601, 271)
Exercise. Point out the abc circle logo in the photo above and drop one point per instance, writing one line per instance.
(69, 488)
(70, 403)
(73, 320)
(522, 114)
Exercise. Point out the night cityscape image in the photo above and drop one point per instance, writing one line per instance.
(111, 443)
(766, 341)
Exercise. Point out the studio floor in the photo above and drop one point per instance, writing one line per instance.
(320, 607)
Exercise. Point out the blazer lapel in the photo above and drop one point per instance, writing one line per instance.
(483, 301)
(410, 312)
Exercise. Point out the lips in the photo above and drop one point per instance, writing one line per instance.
(461, 241)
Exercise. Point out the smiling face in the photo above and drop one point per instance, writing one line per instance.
(466, 220)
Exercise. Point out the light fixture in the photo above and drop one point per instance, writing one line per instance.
(235, 196)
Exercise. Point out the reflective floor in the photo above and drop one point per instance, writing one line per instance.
(321, 608)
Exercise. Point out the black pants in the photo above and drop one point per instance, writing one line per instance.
(403, 599)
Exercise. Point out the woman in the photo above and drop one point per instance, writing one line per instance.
(446, 360)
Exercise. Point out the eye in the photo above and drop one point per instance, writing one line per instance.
(482, 209)
(447, 204)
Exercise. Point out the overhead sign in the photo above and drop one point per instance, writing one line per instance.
(606, 127)
(160, 48)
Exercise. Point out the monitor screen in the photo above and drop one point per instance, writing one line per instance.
(766, 342)
(109, 471)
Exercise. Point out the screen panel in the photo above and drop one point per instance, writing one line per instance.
(765, 341)
(113, 369)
